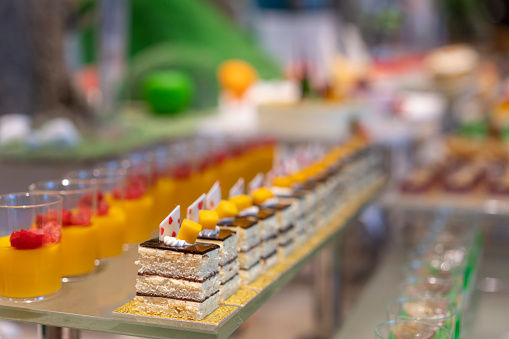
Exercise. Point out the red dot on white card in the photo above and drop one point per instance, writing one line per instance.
(170, 220)
(173, 234)
(162, 230)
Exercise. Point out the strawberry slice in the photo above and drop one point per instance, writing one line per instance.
(25, 240)
(83, 217)
(182, 171)
(50, 231)
(102, 205)
(66, 217)
(103, 208)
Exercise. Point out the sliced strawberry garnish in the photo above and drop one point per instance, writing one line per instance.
(25, 240)
(83, 217)
(182, 171)
(103, 208)
(50, 231)
(66, 217)
(86, 200)
(135, 190)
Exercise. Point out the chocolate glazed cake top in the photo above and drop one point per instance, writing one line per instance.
(265, 213)
(198, 248)
(244, 222)
(222, 235)
(279, 207)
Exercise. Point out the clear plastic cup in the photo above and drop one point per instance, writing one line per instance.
(110, 219)
(30, 246)
(410, 329)
(440, 311)
(138, 201)
(79, 232)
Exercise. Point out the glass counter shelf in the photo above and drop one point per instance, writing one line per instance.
(89, 303)
(475, 202)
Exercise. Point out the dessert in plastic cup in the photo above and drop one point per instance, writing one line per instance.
(110, 220)
(164, 186)
(137, 202)
(430, 287)
(186, 183)
(30, 249)
(439, 311)
(410, 329)
(79, 233)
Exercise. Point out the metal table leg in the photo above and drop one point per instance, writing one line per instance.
(327, 291)
(52, 332)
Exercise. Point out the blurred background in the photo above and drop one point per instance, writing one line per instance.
(84, 82)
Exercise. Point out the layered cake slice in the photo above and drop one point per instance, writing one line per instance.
(264, 198)
(178, 277)
(248, 245)
(267, 221)
(227, 241)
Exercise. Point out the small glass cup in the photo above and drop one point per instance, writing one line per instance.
(30, 248)
(439, 311)
(164, 187)
(79, 232)
(410, 329)
(110, 219)
(430, 287)
(436, 268)
(138, 202)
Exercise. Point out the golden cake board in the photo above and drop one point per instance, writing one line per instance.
(241, 297)
(214, 318)
(262, 282)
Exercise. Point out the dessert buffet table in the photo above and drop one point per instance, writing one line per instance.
(101, 301)
(476, 203)
(489, 317)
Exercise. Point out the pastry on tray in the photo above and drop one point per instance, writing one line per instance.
(264, 198)
(248, 245)
(226, 239)
(178, 277)
(464, 179)
(420, 180)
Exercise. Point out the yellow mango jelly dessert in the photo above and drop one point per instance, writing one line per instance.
(185, 184)
(30, 272)
(164, 196)
(262, 194)
(242, 201)
(267, 157)
(229, 172)
(208, 219)
(110, 230)
(79, 249)
(110, 223)
(207, 174)
(189, 231)
(138, 207)
(226, 209)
